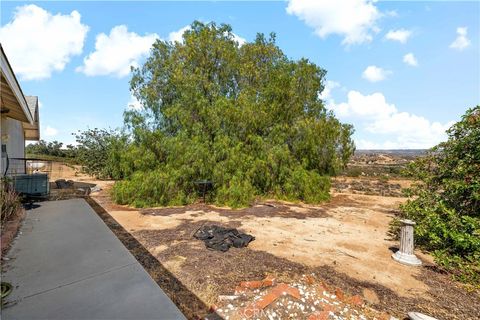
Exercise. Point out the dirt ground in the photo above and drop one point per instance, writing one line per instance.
(344, 242)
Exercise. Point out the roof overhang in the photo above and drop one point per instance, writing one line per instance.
(32, 131)
(13, 103)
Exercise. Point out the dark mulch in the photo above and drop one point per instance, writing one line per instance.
(265, 209)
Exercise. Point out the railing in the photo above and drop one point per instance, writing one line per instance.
(16, 166)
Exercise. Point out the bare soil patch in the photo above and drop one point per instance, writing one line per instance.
(343, 242)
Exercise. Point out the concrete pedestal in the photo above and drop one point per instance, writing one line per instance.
(406, 255)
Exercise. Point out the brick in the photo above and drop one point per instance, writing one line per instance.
(339, 293)
(289, 290)
(251, 284)
(272, 295)
(267, 282)
(356, 300)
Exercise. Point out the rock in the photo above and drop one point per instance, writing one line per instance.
(225, 297)
(370, 296)
(419, 316)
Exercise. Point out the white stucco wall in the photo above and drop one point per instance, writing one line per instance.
(13, 136)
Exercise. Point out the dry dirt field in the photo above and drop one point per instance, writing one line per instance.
(343, 243)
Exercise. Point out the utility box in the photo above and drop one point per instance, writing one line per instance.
(31, 185)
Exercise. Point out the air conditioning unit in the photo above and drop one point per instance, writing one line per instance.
(31, 185)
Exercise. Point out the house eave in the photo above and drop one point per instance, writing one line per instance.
(12, 82)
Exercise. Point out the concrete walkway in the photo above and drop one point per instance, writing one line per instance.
(67, 264)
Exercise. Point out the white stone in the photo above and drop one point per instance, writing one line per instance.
(419, 316)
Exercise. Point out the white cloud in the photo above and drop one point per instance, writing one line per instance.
(369, 106)
(398, 129)
(50, 132)
(355, 20)
(327, 90)
(241, 41)
(134, 104)
(176, 36)
(462, 41)
(410, 59)
(400, 35)
(375, 74)
(115, 53)
(38, 43)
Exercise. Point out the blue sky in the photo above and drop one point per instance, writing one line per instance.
(400, 72)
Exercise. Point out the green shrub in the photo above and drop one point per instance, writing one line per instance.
(154, 188)
(237, 193)
(306, 186)
(352, 171)
(445, 202)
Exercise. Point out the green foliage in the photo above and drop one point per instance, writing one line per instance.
(446, 201)
(153, 188)
(52, 149)
(246, 117)
(236, 193)
(101, 153)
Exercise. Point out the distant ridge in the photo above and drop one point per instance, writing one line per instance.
(398, 152)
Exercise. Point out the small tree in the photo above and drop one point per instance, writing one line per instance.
(244, 116)
(99, 152)
(446, 201)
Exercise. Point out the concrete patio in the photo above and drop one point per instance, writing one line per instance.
(67, 264)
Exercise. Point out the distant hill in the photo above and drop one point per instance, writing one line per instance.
(396, 152)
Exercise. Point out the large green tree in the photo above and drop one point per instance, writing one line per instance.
(244, 116)
(446, 201)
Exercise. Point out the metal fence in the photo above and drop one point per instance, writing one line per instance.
(16, 166)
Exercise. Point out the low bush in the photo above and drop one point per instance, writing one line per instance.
(153, 188)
